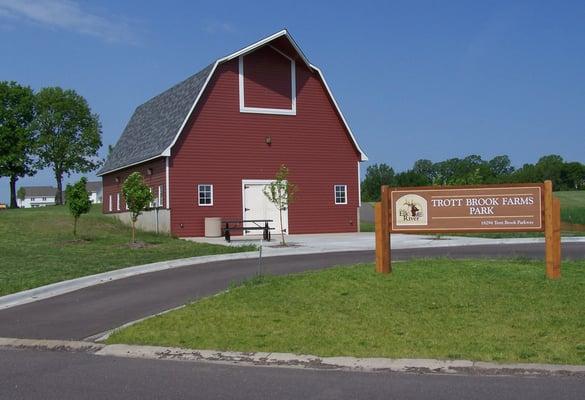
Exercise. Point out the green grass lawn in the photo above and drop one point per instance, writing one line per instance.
(480, 310)
(37, 247)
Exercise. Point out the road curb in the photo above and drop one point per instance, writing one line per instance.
(289, 360)
(59, 288)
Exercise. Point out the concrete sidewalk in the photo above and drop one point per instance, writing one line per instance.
(335, 242)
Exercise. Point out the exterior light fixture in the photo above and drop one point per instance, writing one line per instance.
(149, 171)
(117, 179)
(268, 140)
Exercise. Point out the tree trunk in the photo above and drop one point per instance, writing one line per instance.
(133, 231)
(281, 228)
(75, 226)
(59, 195)
(13, 203)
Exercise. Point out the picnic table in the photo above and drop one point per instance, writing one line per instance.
(247, 225)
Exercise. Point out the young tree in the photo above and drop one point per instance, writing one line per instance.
(138, 196)
(21, 193)
(17, 138)
(69, 134)
(281, 193)
(77, 199)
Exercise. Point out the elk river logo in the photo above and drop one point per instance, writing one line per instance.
(411, 209)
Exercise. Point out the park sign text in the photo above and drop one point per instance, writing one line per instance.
(450, 209)
(456, 209)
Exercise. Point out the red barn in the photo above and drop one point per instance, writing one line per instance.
(208, 145)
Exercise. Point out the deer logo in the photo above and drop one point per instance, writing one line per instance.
(411, 209)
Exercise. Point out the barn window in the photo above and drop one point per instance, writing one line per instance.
(160, 196)
(205, 194)
(118, 201)
(340, 194)
(110, 203)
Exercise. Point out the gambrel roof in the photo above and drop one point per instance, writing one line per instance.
(156, 125)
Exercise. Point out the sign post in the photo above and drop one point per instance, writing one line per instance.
(489, 208)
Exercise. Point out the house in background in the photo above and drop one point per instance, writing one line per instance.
(209, 145)
(95, 191)
(38, 196)
(41, 196)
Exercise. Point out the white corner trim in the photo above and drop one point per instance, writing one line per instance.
(167, 186)
(359, 173)
(363, 155)
(261, 110)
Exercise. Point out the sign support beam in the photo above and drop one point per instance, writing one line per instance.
(382, 215)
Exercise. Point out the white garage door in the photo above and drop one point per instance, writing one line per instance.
(257, 206)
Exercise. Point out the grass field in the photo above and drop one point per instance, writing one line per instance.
(481, 310)
(37, 247)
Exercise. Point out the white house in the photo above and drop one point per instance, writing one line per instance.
(41, 196)
(38, 196)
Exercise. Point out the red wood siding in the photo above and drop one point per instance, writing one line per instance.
(267, 79)
(222, 146)
(154, 180)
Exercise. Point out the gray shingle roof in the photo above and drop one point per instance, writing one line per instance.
(93, 186)
(154, 124)
(40, 191)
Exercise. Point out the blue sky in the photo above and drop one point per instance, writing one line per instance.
(415, 79)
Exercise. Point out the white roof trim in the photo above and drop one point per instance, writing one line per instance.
(252, 47)
(167, 152)
(129, 165)
(363, 155)
(262, 42)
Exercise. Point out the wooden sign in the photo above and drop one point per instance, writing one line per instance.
(490, 208)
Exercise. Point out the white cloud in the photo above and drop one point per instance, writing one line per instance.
(67, 14)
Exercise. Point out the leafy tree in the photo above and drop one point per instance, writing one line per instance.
(573, 176)
(550, 167)
(21, 193)
(411, 178)
(281, 193)
(376, 176)
(426, 170)
(138, 196)
(69, 134)
(17, 138)
(77, 199)
(500, 168)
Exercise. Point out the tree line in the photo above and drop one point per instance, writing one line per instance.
(52, 128)
(473, 170)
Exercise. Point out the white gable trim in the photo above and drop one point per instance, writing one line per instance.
(363, 156)
(252, 47)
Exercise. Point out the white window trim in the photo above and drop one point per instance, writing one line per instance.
(118, 201)
(335, 193)
(160, 196)
(276, 111)
(199, 194)
(110, 207)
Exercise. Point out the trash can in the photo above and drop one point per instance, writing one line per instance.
(213, 227)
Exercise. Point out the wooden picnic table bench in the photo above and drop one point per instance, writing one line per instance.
(247, 225)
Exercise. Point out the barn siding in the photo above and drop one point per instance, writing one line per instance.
(222, 146)
(110, 186)
(267, 79)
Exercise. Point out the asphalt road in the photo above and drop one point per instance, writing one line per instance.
(86, 312)
(30, 375)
